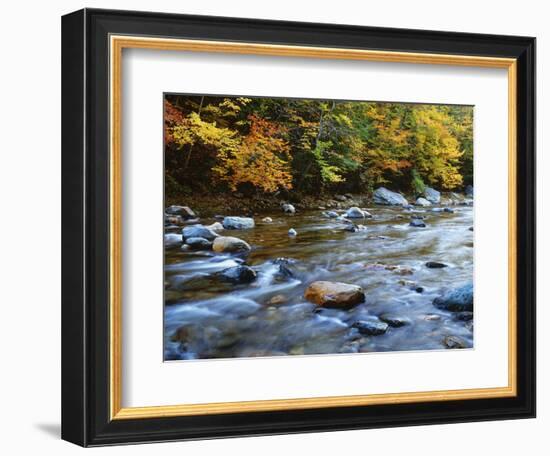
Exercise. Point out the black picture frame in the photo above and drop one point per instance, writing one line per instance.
(85, 224)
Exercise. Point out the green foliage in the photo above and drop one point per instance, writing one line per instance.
(310, 146)
(417, 183)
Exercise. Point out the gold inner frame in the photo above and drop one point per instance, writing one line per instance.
(117, 44)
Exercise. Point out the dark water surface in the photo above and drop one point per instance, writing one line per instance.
(206, 317)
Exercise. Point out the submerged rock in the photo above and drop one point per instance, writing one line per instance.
(330, 214)
(288, 208)
(454, 342)
(267, 220)
(239, 274)
(394, 321)
(432, 195)
(277, 300)
(198, 243)
(422, 202)
(371, 328)
(199, 231)
(457, 300)
(184, 211)
(292, 232)
(464, 316)
(435, 265)
(386, 197)
(285, 270)
(334, 294)
(417, 223)
(238, 223)
(230, 244)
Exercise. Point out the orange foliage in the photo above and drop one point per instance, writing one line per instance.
(261, 158)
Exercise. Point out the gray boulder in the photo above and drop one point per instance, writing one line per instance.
(388, 198)
(432, 195)
(199, 231)
(422, 202)
(288, 208)
(355, 212)
(184, 211)
(330, 214)
(239, 274)
(238, 223)
(216, 226)
(371, 328)
(198, 243)
(417, 223)
(457, 300)
(172, 239)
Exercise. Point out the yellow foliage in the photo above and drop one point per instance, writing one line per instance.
(261, 159)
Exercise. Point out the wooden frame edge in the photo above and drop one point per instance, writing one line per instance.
(120, 42)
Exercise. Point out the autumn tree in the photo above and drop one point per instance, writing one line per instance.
(261, 159)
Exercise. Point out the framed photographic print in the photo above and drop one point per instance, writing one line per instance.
(275, 227)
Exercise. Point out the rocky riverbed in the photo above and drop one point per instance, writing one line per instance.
(344, 279)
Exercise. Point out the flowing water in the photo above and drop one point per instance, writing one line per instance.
(206, 317)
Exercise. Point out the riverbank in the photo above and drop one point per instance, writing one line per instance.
(261, 204)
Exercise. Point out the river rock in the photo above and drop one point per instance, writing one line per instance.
(285, 267)
(238, 223)
(172, 239)
(229, 244)
(432, 195)
(199, 231)
(292, 232)
(464, 316)
(341, 198)
(447, 210)
(417, 223)
(239, 274)
(394, 321)
(198, 243)
(469, 191)
(334, 294)
(454, 342)
(288, 208)
(355, 212)
(267, 220)
(457, 300)
(435, 265)
(422, 202)
(216, 226)
(371, 328)
(330, 214)
(277, 300)
(386, 197)
(173, 219)
(184, 211)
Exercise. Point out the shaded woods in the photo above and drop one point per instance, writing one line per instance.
(215, 145)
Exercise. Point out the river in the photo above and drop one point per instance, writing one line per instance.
(206, 317)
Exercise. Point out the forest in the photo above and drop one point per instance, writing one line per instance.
(308, 146)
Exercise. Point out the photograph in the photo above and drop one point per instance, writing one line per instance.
(297, 226)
